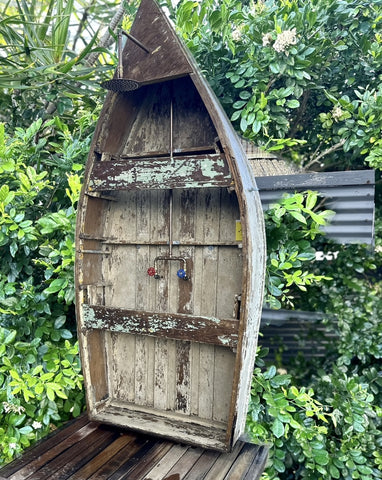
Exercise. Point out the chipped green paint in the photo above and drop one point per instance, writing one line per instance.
(177, 326)
(179, 172)
(226, 341)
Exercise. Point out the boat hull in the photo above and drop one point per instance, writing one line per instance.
(170, 263)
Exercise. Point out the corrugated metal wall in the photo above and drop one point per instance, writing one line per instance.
(288, 333)
(350, 194)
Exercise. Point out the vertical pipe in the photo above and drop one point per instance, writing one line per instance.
(171, 131)
(171, 197)
(120, 64)
(170, 225)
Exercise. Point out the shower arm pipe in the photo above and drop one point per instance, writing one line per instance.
(134, 40)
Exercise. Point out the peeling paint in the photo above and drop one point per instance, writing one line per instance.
(182, 172)
(180, 326)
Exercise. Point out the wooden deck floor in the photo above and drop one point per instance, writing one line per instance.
(85, 450)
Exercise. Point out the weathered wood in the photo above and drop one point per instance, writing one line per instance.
(179, 172)
(179, 326)
(317, 180)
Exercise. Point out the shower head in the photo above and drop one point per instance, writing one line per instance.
(120, 84)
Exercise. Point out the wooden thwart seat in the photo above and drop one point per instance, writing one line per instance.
(190, 171)
(178, 326)
(85, 450)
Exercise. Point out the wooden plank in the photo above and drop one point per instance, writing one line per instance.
(129, 457)
(123, 366)
(162, 63)
(144, 357)
(242, 464)
(206, 381)
(165, 464)
(141, 373)
(185, 463)
(228, 280)
(194, 366)
(223, 464)
(316, 180)
(260, 458)
(183, 377)
(96, 369)
(146, 463)
(59, 467)
(168, 325)
(224, 366)
(161, 374)
(208, 170)
(96, 468)
(202, 466)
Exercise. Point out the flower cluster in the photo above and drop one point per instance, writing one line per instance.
(267, 38)
(283, 40)
(10, 407)
(337, 113)
(236, 35)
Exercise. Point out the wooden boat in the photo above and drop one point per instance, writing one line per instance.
(170, 251)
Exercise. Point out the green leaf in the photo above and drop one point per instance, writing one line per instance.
(311, 200)
(25, 181)
(10, 338)
(298, 216)
(243, 124)
(274, 67)
(59, 322)
(293, 103)
(239, 104)
(334, 472)
(4, 191)
(235, 115)
(256, 126)
(277, 428)
(245, 95)
(16, 419)
(321, 457)
(50, 394)
(318, 218)
(364, 469)
(278, 465)
(57, 285)
(25, 430)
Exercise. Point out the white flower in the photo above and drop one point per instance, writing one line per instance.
(337, 113)
(236, 35)
(284, 39)
(267, 38)
(10, 407)
(13, 446)
(36, 425)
